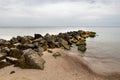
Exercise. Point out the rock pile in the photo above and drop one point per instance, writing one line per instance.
(26, 51)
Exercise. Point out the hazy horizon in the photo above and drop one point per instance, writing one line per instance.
(59, 13)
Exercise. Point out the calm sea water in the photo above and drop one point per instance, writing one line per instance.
(103, 50)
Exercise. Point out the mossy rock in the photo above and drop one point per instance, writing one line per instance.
(82, 48)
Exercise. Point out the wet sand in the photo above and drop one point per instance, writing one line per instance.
(65, 67)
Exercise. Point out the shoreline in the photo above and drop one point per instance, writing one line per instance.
(62, 55)
(64, 67)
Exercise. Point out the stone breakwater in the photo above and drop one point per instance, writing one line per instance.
(26, 51)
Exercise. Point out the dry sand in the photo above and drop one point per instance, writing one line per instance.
(65, 67)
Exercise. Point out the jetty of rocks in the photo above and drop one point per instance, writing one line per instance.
(27, 51)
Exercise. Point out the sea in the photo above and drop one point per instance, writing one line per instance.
(103, 51)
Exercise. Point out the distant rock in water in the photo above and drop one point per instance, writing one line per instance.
(27, 50)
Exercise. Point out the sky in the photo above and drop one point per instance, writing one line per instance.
(59, 12)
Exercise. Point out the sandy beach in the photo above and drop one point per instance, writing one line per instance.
(65, 67)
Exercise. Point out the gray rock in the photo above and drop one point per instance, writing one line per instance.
(33, 60)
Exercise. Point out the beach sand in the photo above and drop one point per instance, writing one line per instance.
(65, 67)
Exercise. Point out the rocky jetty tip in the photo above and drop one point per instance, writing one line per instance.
(27, 51)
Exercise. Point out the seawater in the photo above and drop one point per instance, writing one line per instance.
(103, 51)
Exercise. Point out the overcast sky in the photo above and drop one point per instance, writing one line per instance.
(59, 12)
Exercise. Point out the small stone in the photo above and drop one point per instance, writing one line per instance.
(12, 72)
(50, 51)
(56, 54)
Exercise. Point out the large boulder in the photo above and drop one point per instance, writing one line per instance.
(32, 59)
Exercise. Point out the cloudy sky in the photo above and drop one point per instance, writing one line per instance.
(59, 12)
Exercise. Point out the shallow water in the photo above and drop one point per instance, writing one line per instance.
(102, 53)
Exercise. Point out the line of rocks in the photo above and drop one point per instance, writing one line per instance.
(26, 51)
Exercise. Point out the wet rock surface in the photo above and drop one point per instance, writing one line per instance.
(27, 50)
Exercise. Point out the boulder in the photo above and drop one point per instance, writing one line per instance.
(92, 34)
(24, 39)
(36, 36)
(14, 52)
(65, 44)
(81, 42)
(5, 50)
(44, 46)
(4, 42)
(13, 40)
(33, 60)
(51, 44)
(2, 56)
(82, 48)
(73, 40)
(39, 50)
(37, 40)
(11, 60)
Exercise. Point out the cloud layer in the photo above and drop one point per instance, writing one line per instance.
(59, 12)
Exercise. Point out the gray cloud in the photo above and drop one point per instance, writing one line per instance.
(59, 12)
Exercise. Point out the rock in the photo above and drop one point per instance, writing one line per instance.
(73, 40)
(50, 51)
(14, 52)
(4, 42)
(47, 35)
(24, 39)
(33, 60)
(38, 40)
(2, 56)
(29, 37)
(12, 72)
(92, 34)
(36, 36)
(82, 48)
(81, 42)
(57, 44)
(77, 37)
(5, 50)
(65, 44)
(11, 60)
(44, 46)
(13, 40)
(56, 54)
(51, 44)
(17, 44)
(29, 45)
(39, 50)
